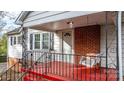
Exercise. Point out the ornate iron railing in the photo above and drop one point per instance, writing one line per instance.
(71, 67)
(12, 73)
(30, 64)
(57, 66)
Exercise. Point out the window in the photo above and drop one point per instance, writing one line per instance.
(11, 41)
(14, 40)
(37, 41)
(19, 39)
(45, 42)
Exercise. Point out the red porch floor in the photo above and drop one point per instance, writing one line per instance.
(70, 72)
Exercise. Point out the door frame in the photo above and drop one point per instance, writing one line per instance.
(72, 40)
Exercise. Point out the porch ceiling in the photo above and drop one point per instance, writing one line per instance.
(91, 19)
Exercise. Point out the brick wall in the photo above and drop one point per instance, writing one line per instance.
(87, 40)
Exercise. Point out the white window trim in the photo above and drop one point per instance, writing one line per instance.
(48, 41)
(17, 39)
(11, 41)
(34, 41)
(41, 37)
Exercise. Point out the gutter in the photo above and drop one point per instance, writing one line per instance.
(21, 17)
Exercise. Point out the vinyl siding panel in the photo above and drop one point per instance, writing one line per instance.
(111, 44)
(14, 51)
(57, 42)
(123, 47)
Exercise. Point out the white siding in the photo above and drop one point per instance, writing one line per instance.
(31, 31)
(36, 18)
(111, 44)
(57, 42)
(14, 51)
(123, 47)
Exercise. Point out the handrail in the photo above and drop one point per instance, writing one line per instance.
(30, 67)
(41, 56)
(9, 68)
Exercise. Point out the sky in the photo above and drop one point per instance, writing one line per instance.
(10, 22)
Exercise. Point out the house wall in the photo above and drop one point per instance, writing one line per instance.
(14, 51)
(40, 17)
(111, 45)
(123, 47)
(32, 31)
(87, 40)
(58, 41)
(67, 42)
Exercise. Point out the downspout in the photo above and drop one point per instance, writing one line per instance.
(119, 45)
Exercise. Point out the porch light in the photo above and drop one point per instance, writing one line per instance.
(70, 24)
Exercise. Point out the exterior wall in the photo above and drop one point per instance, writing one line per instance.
(123, 47)
(58, 42)
(68, 43)
(40, 17)
(111, 45)
(14, 51)
(32, 31)
(87, 40)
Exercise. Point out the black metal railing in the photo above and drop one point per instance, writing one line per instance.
(71, 67)
(57, 66)
(12, 73)
(31, 63)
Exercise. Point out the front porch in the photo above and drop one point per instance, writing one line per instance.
(60, 67)
(84, 48)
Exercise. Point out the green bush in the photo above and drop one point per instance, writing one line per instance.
(3, 45)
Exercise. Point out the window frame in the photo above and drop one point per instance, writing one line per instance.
(34, 48)
(41, 41)
(14, 40)
(11, 40)
(45, 40)
(19, 41)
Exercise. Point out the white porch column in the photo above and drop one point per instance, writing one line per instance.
(119, 40)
